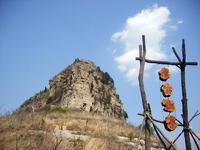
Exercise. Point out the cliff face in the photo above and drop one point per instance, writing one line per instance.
(81, 86)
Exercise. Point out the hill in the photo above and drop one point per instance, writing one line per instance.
(80, 86)
(79, 111)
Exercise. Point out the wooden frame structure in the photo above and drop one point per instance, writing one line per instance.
(185, 124)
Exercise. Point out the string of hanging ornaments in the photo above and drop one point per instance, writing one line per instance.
(169, 106)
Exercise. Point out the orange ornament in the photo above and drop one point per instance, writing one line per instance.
(168, 105)
(164, 74)
(166, 90)
(170, 123)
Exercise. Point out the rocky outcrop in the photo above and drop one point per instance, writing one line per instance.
(81, 86)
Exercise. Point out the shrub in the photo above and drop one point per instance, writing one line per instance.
(106, 79)
(125, 115)
(59, 109)
(151, 129)
(130, 136)
(118, 99)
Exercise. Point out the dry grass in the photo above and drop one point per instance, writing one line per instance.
(96, 125)
(105, 144)
(36, 131)
(30, 131)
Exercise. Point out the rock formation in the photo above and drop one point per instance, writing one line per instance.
(81, 86)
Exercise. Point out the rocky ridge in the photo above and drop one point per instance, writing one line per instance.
(81, 86)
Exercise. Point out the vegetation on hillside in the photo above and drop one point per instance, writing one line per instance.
(37, 130)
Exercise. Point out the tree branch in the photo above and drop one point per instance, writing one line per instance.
(195, 141)
(195, 115)
(155, 126)
(152, 118)
(195, 135)
(176, 54)
(176, 138)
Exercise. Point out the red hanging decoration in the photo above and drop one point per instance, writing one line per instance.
(169, 105)
(170, 123)
(166, 90)
(164, 74)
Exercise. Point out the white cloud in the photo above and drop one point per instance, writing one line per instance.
(150, 22)
(180, 22)
(173, 27)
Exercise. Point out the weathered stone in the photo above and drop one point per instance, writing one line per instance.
(83, 86)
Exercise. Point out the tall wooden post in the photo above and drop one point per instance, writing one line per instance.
(184, 100)
(142, 55)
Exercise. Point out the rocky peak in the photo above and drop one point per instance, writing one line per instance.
(81, 86)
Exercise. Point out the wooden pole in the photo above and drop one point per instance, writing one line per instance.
(184, 100)
(167, 62)
(142, 54)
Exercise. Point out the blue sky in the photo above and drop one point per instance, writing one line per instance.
(39, 38)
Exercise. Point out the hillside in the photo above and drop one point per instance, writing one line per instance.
(79, 111)
(60, 129)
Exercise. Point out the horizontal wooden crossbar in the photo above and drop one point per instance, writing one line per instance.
(167, 62)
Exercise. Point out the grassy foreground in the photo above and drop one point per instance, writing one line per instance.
(37, 131)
